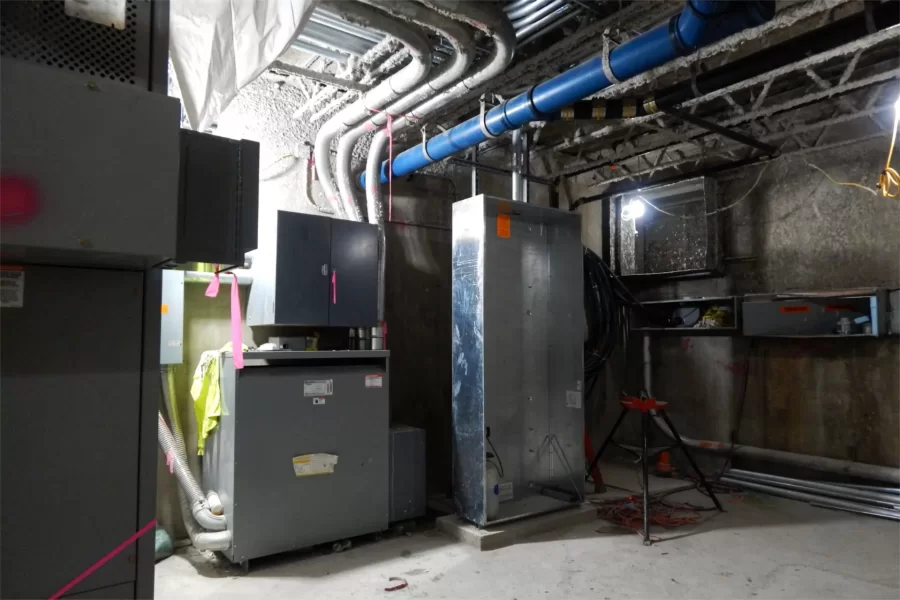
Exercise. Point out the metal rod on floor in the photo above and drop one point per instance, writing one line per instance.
(815, 487)
(863, 509)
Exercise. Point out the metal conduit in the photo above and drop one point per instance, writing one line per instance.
(531, 17)
(521, 11)
(701, 22)
(549, 20)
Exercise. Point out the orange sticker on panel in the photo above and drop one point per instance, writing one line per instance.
(503, 226)
(795, 309)
(164, 309)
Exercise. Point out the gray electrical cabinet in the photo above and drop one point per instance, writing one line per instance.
(300, 455)
(79, 382)
(315, 270)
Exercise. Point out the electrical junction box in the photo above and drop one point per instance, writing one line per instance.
(859, 312)
(171, 318)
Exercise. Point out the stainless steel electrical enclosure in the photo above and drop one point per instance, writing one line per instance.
(518, 327)
(281, 407)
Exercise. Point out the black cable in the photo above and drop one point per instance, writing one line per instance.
(497, 456)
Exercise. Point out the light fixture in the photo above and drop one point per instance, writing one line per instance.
(634, 210)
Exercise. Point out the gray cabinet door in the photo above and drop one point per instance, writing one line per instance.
(71, 388)
(303, 269)
(354, 265)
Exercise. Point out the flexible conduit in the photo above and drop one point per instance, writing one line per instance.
(700, 23)
(195, 508)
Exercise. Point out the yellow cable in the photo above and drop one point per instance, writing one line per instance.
(889, 180)
(845, 183)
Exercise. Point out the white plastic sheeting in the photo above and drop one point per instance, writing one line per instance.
(219, 46)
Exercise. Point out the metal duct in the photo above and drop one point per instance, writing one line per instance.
(700, 23)
(391, 88)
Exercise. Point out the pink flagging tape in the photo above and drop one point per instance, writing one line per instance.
(334, 287)
(212, 290)
(170, 461)
(237, 332)
(237, 337)
(105, 559)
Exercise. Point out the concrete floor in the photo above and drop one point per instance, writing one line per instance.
(762, 547)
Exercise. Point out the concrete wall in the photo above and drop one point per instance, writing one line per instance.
(795, 231)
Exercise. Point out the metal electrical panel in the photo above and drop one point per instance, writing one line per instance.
(282, 407)
(518, 329)
(102, 167)
(315, 271)
(78, 434)
(408, 496)
(128, 44)
(171, 318)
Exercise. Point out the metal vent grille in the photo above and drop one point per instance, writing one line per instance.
(41, 32)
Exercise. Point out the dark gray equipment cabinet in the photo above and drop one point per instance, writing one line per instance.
(316, 271)
(408, 496)
(218, 198)
(80, 387)
(279, 408)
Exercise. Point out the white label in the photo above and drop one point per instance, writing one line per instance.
(578, 385)
(12, 288)
(373, 381)
(174, 343)
(318, 387)
(318, 401)
(104, 12)
(314, 464)
(573, 399)
(505, 491)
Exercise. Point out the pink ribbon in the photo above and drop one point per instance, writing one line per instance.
(237, 332)
(237, 337)
(212, 290)
(134, 537)
(334, 287)
(170, 461)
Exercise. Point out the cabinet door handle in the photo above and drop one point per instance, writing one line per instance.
(334, 287)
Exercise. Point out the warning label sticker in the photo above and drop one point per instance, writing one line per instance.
(505, 491)
(318, 387)
(12, 287)
(503, 227)
(374, 381)
(573, 399)
(314, 464)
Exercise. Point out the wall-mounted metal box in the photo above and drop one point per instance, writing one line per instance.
(282, 407)
(860, 312)
(315, 270)
(171, 318)
(681, 237)
(407, 473)
(218, 199)
(518, 328)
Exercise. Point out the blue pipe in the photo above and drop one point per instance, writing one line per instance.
(700, 23)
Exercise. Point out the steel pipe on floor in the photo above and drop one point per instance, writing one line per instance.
(855, 507)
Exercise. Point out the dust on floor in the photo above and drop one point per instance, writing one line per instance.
(762, 547)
